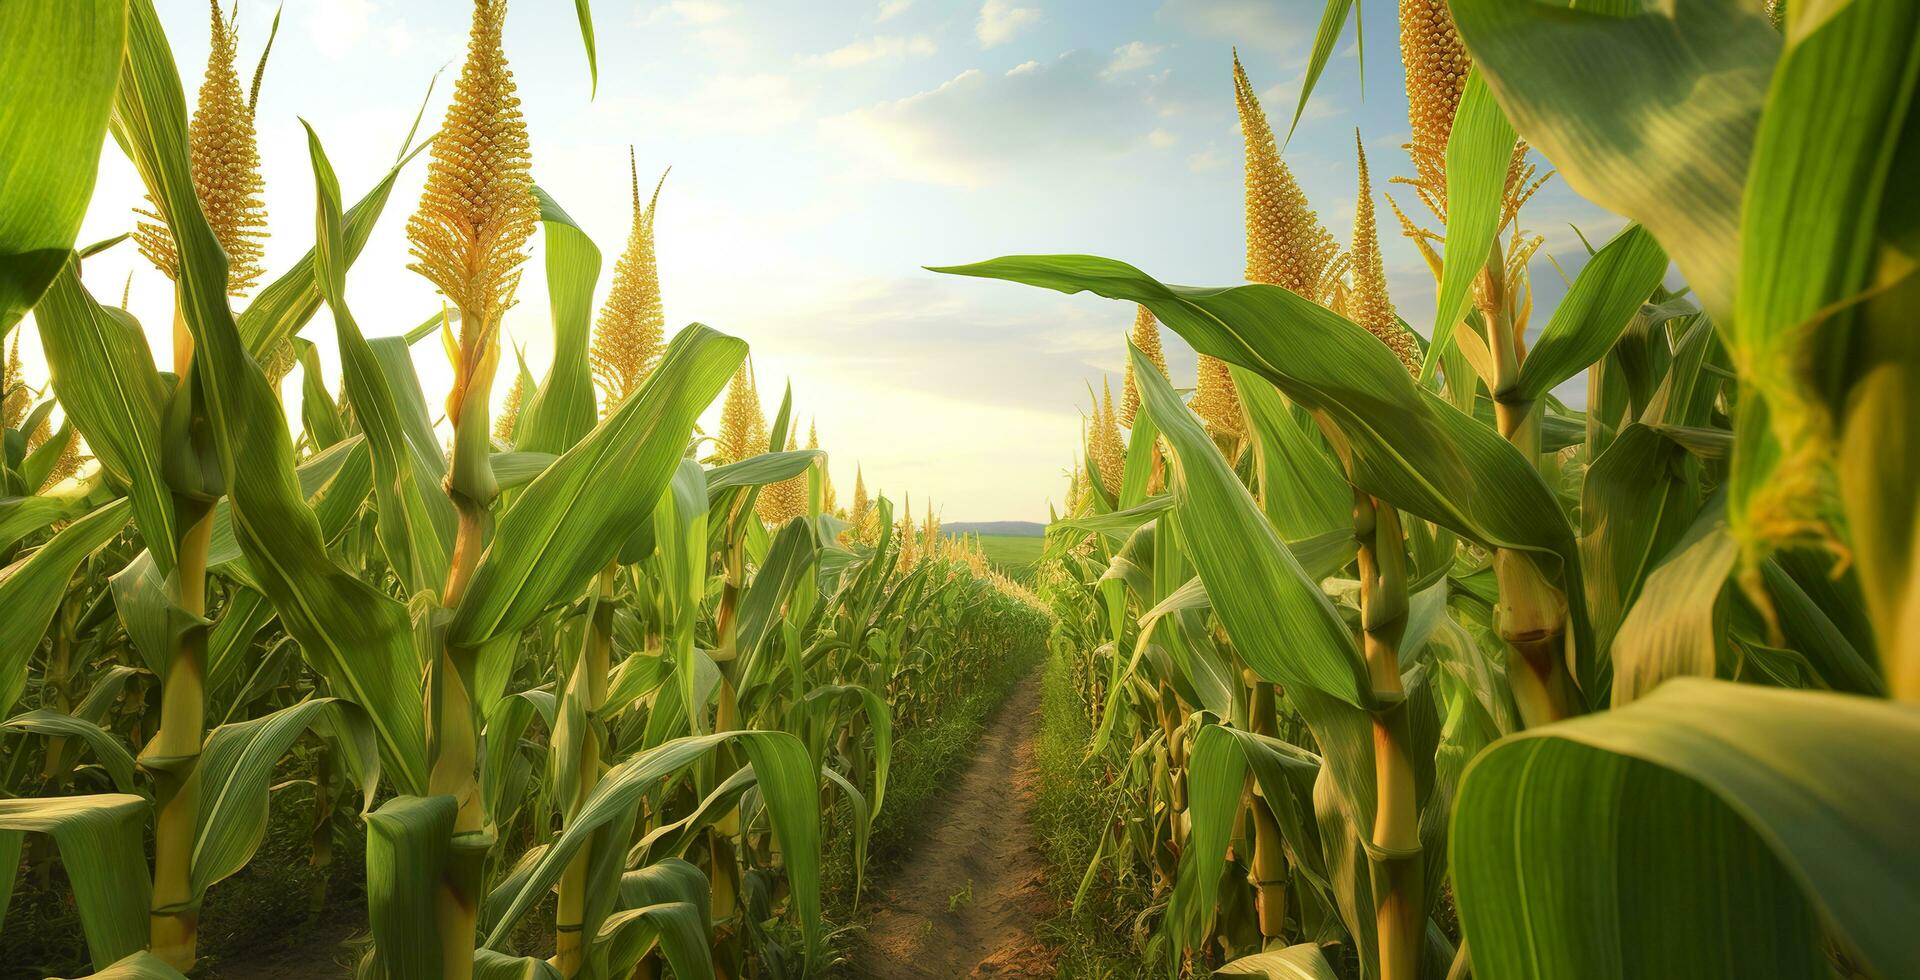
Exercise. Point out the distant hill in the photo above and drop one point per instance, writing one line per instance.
(1011, 529)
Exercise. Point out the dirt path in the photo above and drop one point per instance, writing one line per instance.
(965, 902)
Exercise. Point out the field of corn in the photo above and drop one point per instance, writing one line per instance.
(572, 671)
(1367, 657)
(1387, 663)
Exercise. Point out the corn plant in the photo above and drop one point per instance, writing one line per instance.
(1622, 686)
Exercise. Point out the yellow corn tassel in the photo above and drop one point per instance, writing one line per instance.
(1436, 64)
(226, 170)
(66, 465)
(862, 512)
(742, 426)
(1146, 336)
(509, 420)
(1109, 452)
(1286, 245)
(627, 337)
(17, 401)
(1215, 401)
(786, 500)
(908, 550)
(930, 532)
(478, 211)
(1368, 304)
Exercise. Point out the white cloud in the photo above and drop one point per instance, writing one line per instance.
(1205, 161)
(1000, 20)
(980, 127)
(880, 47)
(1162, 138)
(1282, 99)
(752, 102)
(1132, 57)
(889, 9)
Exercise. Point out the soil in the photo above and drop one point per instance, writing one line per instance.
(966, 899)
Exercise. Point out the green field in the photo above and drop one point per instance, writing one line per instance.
(1013, 554)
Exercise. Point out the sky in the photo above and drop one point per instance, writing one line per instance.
(822, 154)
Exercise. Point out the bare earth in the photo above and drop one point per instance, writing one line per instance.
(980, 839)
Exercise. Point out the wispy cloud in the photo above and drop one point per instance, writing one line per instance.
(981, 127)
(889, 9)
(746, 102)
(1132, 56)
(880, 47)
(1000, 20)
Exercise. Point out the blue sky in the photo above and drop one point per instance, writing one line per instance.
(822, 153)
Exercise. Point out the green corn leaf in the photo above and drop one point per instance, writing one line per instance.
(1477, 155)
(107, 748)
(1300, 962)
(319, 415)
(789, 559)
(247, 612)
(37, 468)
(758, 471)
(1678, 625)
(110, 389)
(31, 590)
(1706, 830)
(1279, 619)
(1137, 474)
(563, 409)
(359, 638)
(1402, 444)
(879, 722)
(862, 826)
(789, 786)
(1597, 308)
(1634, 508)
(666, 905)
(1118, 525)
(1301, 489)
(1333, 20)
(144, 604)
(1665, 141)
(584, 10)
(236, 767)
(100, 839)
(339, 471)
(412, 512)
(1217, 770)
(1812, 626)
(491, 965)
(407, 843)
(22, 516)
(572, 519)
(59, 61)
(1828, 289)
(512, 470)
